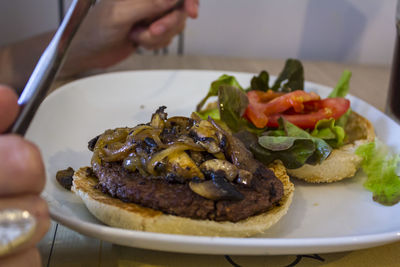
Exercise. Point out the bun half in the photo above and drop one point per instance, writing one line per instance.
(117, 213)
(343, 162)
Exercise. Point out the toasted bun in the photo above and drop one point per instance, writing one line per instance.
(116, 213)
(341, 163)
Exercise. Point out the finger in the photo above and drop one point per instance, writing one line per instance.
(8, 107)
(169, 23)
(161, 31)
(157, 43)
(148, 41)
(192, 8)
(21, 167)
(134, 11)
(38, 208)
(29, 257)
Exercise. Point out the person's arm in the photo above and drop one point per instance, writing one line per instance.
(110, 33)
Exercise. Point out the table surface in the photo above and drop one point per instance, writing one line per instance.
(64, 247)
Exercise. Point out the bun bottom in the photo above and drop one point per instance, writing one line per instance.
(343, 162)
(116, 213)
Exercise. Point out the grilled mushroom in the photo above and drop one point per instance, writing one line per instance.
(236, 151)
(217, 165)
(218, 188)
(205, 134)
(158, 118)
(180, 164)
(92, 143)
(244, 177)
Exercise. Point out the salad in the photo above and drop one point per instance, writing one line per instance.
(284, 122)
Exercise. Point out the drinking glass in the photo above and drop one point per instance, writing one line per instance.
(393, 100)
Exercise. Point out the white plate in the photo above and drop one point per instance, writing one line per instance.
(323, 218)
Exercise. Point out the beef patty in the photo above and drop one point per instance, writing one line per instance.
(173, 198)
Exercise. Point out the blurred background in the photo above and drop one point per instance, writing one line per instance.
(350, 31)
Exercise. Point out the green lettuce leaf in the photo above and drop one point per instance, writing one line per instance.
(342, 87)
(322, 149)
(293, 157)
(232, 104)
(213, 113)
(342, 121)
(260, 82)
(380, 167)
(291, 78)
(213, 90)
(292, 145)
(278, 143)
(341, 90)
(330, 132)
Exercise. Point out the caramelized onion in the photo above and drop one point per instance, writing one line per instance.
(131, 163)
(159, 156)
(116, 135)
(116, 152)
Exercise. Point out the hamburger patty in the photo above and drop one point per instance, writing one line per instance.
(173, 198)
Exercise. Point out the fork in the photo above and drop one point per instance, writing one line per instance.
(49, 65)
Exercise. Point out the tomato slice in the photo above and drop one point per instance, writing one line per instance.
(327, 108)
(257, 101)
(263, 104)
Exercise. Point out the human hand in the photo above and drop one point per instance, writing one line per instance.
(22, 178)
(114, 29)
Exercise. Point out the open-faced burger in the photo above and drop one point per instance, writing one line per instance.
(184, 176)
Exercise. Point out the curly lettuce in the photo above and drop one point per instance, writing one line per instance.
(330, 132)
(380, 167)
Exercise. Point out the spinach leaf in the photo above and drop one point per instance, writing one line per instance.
(342, 87)
(322, 149)
(290, 144)
(213, 90)
(291, 78)
(292, 158)
(277, 143)
(260, 82)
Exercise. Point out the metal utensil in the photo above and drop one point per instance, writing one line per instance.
(49, 64)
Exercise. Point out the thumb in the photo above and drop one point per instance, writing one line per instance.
(8, 107)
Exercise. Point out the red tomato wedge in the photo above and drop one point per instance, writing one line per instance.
(327, 108)
(261, 104)
(257, 102)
